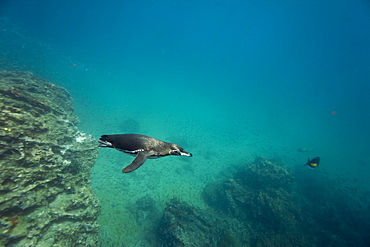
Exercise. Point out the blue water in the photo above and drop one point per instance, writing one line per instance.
(227, 80)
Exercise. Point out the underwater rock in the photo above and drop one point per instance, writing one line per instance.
(183, 225)
(45, 161)
(262, 198)
(258, 193)
(266, 175)
(144, 209)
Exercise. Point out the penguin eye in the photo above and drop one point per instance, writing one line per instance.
(176, 152)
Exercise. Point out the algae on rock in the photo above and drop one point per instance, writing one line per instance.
(185, 225)
(263, 198)
(45, 163)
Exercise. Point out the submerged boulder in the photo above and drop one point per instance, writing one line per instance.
(45, 162)
(184, 225)
(259, 195)
(263, 198)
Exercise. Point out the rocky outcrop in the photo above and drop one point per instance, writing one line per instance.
(259, 205)
(45, 162)
(184, 225)
(259, 193)
(262, 198)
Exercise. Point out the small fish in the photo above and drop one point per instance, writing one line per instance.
(313, 163)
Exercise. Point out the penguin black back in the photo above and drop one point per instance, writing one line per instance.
(129, 142)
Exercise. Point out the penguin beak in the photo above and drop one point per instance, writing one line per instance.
(185, 154)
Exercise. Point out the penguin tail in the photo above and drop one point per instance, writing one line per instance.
(104, 143)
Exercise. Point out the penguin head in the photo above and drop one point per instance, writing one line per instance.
(177, 150)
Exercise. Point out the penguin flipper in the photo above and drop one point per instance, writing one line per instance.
(141, 157)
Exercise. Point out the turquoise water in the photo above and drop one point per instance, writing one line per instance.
(228, 81)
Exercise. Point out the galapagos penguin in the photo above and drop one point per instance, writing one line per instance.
(141, 146)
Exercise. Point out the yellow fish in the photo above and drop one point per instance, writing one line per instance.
(313, 163)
